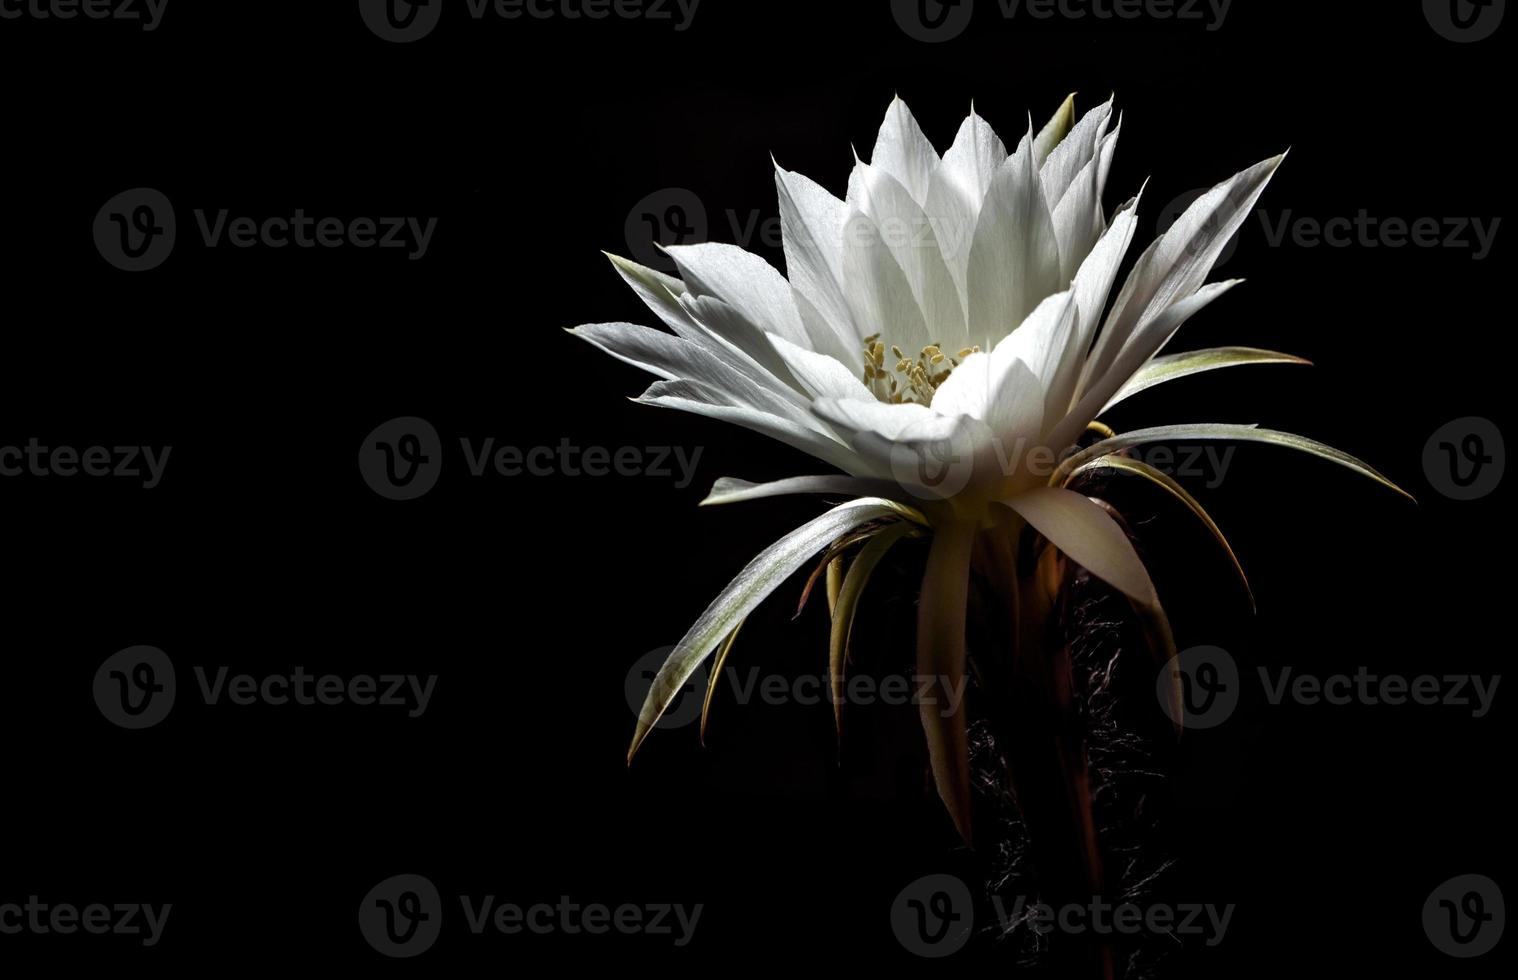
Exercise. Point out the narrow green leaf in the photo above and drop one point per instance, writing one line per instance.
(1222, 431)
(728, 490)
(717, 667)
(941, 666)
(1133, 467)
(847, 606)
(752, 586)
(1173, 366)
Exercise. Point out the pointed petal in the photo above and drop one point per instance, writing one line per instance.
(1070, 157)
(878, 290)
(1141, 347)
(811, 229)
(819, 374)
(844, 608)
(1163, 369)
(699, 399)
(1138, 468)
(728, 490)
(908, 233)
(1054, 131)
(1225, 432)
(1177, 264)
(1088, 536)
(1014, 261)
(941, 666)
(761, 577)
(743, 281)
(902, 151)
(958, 188)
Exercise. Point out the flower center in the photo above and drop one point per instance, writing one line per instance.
(910, 380)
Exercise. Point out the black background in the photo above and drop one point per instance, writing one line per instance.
(531, 141)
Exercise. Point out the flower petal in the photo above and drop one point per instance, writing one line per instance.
(745, 282)
(902, 151)
(1177, 264)
(1014, 261)
(909, 234)
(753, 585)
(1088, 536)
(811, 229)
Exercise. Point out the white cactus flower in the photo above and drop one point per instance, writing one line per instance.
(939, 338)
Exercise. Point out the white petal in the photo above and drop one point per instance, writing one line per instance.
(1089, 536)
(1141, 347)
(1054, 131)
(753, 585)
(819, 374)
(1078, 220)
(1045, 342)
(1093, 281)
(1177, 264)
(698, 399)
(1074, 152)
(660, 292)
(997, 389)
(879, 294)
(902, 151)
(909, 234)
(728, 490)
(674, 358)
(1014, 261)
(887, 421)
(958, 189)
(732, 327)
(811, 228)
(743, 281)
